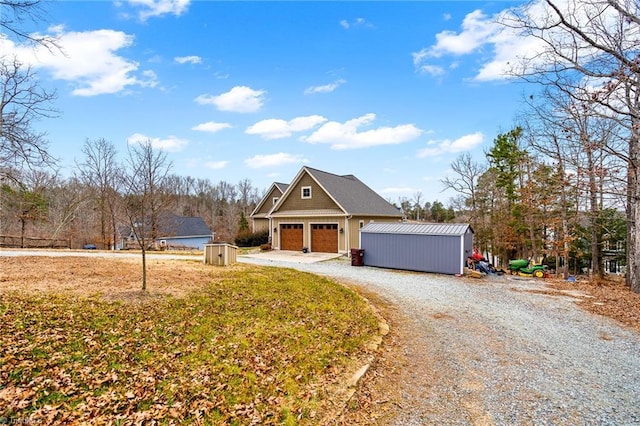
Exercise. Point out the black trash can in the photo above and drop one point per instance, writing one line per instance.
(357, 257)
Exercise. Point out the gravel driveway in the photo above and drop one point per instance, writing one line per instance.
(499, 351)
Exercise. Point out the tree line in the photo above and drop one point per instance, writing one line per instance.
(105, 194)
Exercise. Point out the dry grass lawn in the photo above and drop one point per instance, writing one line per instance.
(80, 343)
(113, 279)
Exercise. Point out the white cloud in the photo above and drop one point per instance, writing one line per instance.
(211, 127)
(274, 160)
(188, 59)
(216, 165)
(220, 75)
(506, 47)
(327, 88)
(477, 28)
(346, 135)
(464, 143)
(277, 129)
(357, 22)
(155, 8)
(87, 61)
(238, 99)
(170, 144)
(433, 70)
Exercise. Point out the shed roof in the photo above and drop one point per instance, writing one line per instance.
(453, 229)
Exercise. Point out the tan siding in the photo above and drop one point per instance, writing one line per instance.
(260, 225)
(319, 199)
(268, 200)
(354, 227)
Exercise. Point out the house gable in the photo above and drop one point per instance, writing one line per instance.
(266, 204)
(322, 211)
(306, 194)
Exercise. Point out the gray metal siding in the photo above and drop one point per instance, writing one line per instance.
(468, 245)
(426, 253)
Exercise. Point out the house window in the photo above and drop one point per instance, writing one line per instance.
(306, 192)
(275, 200)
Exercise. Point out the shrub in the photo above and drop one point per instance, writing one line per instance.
(251, 239)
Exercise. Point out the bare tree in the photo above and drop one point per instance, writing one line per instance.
(145, 173)
(466, 180)
(17, 15)
(588, 49)
(68, 200)
(245, 192)
(100, 172)
(417, 198)
(22, 101)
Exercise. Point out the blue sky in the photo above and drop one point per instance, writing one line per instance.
(391, 92)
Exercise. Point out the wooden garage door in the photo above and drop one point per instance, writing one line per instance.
(324, 238)
(291, 237)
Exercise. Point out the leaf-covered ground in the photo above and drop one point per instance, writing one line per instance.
(242, 345)
(609, 297)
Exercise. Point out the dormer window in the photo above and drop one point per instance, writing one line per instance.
(306, 192)
(275, 200)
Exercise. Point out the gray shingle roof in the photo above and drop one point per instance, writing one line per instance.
(281, 186)
(417, 228)
(352, 195)
(183, 226)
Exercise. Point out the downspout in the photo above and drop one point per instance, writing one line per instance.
(347, 244)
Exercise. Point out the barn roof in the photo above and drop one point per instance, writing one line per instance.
(452, 229)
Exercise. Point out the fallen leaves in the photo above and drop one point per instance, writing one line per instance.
(250, 345)
(610, 297)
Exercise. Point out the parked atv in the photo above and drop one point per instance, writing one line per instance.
(523, 267)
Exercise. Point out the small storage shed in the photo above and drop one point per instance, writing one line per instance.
(220, 254)
(426, 247)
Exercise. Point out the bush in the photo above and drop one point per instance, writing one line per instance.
(251, 239)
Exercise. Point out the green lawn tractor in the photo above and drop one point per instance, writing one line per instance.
(524, 268)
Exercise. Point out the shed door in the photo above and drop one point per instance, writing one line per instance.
(324, 238)
(291, 237)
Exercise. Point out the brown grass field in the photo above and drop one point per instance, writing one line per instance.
(80, 343)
